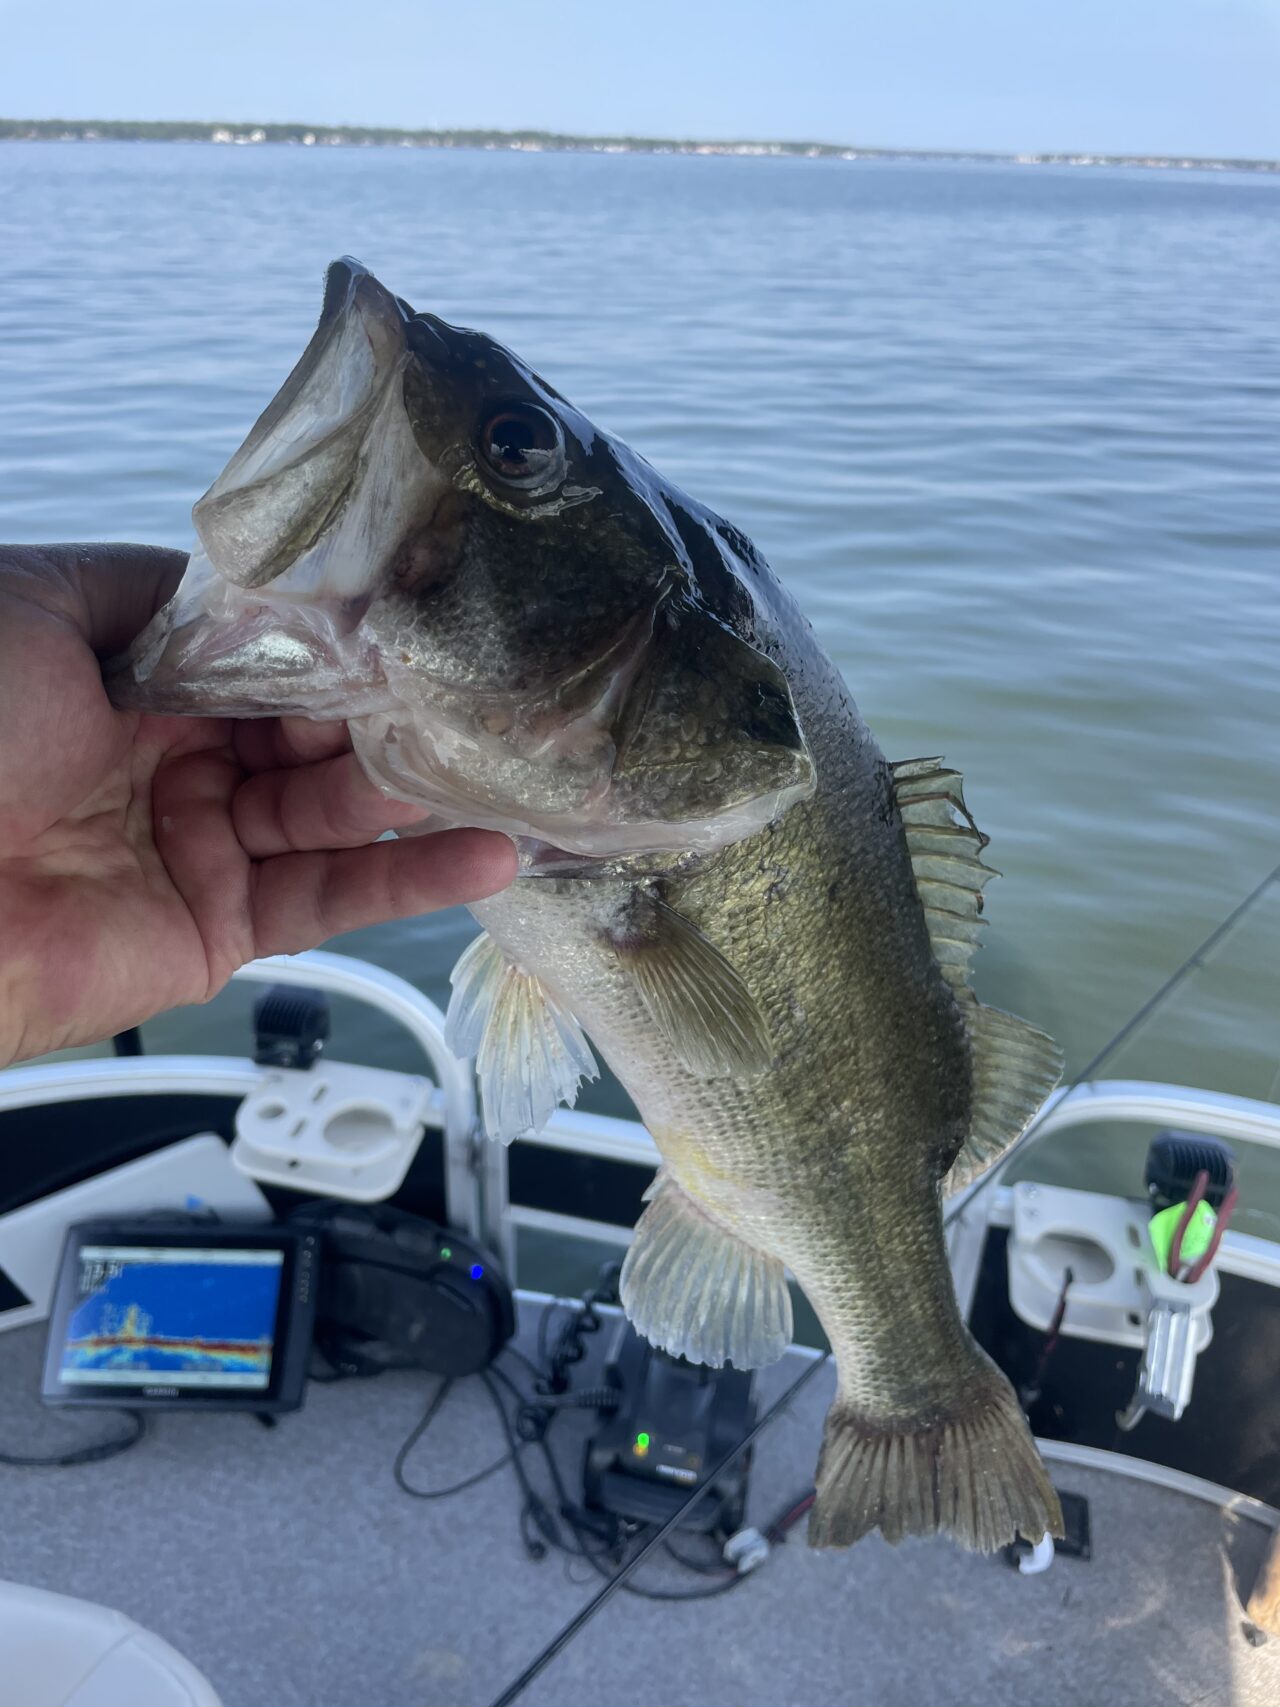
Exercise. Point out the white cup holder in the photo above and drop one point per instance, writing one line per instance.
(339, 1130)
(359, 1126)
(1090, 1263)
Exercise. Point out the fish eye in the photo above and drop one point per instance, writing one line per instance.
(522, 444)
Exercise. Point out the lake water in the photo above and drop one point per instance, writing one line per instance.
(1009, 433)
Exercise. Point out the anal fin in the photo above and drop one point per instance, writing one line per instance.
(694, 1288)
(529, 1050)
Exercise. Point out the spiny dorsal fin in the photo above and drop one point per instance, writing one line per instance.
(693, 995)
(1014, 1065)
(945, 846)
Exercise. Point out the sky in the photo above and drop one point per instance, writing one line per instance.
(1180, 77)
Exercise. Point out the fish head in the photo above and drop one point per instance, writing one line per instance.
(525, 626)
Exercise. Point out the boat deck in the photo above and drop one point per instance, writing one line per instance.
(289, 1568)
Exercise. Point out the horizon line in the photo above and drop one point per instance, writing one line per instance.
(533, 140)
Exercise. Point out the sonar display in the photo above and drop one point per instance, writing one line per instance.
(187, 1317)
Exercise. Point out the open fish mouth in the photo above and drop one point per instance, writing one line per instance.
(216, 649)
(420, 537)
(294, 535)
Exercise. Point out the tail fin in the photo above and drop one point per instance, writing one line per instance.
(971, 1472)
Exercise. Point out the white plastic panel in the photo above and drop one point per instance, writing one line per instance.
(1115, 1280)
(336, 1130)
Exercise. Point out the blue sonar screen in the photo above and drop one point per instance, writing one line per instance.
(189, 1318)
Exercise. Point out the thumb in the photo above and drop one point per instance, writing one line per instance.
(109, 592)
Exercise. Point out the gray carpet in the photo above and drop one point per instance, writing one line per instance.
(289, 1568)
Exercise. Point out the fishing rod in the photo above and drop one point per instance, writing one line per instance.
(1193, 961)
(565, 1635)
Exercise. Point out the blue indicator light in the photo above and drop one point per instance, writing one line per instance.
(476, 1271)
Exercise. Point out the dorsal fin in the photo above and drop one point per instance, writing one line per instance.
(1014, 1069)
(945, 846)
(1014, 1065)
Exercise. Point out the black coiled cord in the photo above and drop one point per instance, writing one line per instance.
(92, 1454)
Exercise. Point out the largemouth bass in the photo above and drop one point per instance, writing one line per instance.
(763, 926)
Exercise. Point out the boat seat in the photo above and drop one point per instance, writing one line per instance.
(60, 1652)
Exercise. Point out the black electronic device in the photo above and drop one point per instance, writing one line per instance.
(180, 1314)
(398, 1291)
(290, 1027)
(1176, 1159)
(674, 1421)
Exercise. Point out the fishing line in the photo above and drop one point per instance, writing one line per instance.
(619, 1577)
(1193, 961)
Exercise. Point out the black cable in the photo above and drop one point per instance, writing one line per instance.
(533, 1423)
(534, 1419)
(93, 1454)
(536, 1512)
(416, 1434)
(731, 1580)
(582, 1536)
(534, 1508)
(703, 1567)
(618, 1579)
(528, 1362)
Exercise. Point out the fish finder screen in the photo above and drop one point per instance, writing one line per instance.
(187, 1317)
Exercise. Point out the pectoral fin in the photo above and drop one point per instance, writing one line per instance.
(695, 998)
(529, 1050)
(694, 1288)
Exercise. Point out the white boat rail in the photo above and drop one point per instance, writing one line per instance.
(476, 1171)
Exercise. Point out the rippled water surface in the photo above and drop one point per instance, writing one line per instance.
(1010, 434)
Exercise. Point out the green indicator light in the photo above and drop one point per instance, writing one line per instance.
(446, 1251)
(642, 1442)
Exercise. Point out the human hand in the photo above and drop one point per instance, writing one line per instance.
(143, 859)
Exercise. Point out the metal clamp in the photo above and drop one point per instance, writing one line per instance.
(1168, 1365)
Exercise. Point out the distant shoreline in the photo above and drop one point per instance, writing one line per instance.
(554, 142)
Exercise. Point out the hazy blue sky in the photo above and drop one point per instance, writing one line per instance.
(1164, 76)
